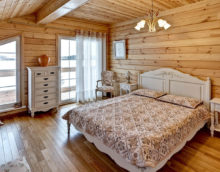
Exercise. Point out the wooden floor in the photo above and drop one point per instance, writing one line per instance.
(43, 141)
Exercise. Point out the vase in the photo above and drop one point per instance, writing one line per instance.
(43, 60)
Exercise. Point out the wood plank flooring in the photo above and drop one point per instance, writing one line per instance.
(43, 141)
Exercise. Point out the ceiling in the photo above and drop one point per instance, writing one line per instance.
(17, 8)
(113, 11)
(103, 11)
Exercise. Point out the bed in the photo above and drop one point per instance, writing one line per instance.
(141, 133)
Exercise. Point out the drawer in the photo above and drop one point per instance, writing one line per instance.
(45, 91)
(133, 87)
(46, 103)
(44, 79)
(39, 74)
(52, 73)
(45, 84)
(46, 97)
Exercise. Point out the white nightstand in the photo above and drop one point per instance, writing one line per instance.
(128, 87)
(215, 108)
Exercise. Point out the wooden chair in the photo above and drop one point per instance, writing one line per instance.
(107, 83)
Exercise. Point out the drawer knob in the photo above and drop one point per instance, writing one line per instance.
(45, 79)
(45, 97)
(38, 73)
(45, 103)
(45, 91)
(51, 72)
(45, 85)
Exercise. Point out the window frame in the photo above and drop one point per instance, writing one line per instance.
(59, 64)
(18, 102)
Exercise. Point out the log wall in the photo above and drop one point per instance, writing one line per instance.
(37, 40)
(191, 45)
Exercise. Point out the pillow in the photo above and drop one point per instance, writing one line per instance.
(182, 101)
(148, 93)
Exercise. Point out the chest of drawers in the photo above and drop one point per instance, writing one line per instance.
(43, 89)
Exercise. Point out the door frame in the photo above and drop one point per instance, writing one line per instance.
(60, 37)
(17, 39)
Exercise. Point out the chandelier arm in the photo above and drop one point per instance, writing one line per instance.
(152, 20)
(152, 5)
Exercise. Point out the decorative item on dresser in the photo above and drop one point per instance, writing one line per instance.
(43, 60)
(128, 87)
(128, 77)
(43, 90)
(215, 109)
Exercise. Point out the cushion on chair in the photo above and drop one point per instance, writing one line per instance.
(105, 88)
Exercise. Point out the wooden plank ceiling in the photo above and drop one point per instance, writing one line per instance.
(113, 11)
(103, 11)
(17, 8)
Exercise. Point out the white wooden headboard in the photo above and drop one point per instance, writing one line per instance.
(174, 82)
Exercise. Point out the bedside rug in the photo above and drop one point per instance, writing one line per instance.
(1, 123)
(18, 165)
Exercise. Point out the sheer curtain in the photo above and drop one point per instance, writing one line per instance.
(90, 62)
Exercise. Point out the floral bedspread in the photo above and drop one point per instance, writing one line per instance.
(142, 130)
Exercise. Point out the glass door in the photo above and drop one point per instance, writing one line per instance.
(67, 47)
(9, 73)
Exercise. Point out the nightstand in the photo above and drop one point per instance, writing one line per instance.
(215, 108)
(128, 87)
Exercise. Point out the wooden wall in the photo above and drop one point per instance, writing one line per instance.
(42, 39)
(191, 45)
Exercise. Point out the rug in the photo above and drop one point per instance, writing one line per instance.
(18, 165)
(1, 123)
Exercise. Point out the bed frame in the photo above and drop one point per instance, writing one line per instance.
(170, 81)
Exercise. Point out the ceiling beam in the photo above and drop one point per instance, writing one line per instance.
(55, 9)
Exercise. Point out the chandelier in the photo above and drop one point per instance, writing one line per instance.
(152, 21)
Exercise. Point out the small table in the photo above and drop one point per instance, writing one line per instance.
(128, 87)
(215, 108)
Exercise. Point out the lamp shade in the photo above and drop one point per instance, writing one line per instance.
(167, 26)
(161, 22)
(137, 28)
(141, 24)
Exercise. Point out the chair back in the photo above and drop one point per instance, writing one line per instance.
(107, 77)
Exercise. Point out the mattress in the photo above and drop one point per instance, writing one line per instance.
(140, 130)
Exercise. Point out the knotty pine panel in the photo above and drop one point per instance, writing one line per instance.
(42, 39)
(191, 45)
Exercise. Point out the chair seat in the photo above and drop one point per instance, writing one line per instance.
(105, 88)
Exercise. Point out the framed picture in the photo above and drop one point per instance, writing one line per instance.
(119, 49)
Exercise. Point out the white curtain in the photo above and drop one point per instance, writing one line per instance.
(90, 62)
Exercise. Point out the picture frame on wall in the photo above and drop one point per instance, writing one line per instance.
(119, 49)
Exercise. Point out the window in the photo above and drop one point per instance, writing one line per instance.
(9, 73)
(68, 69)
